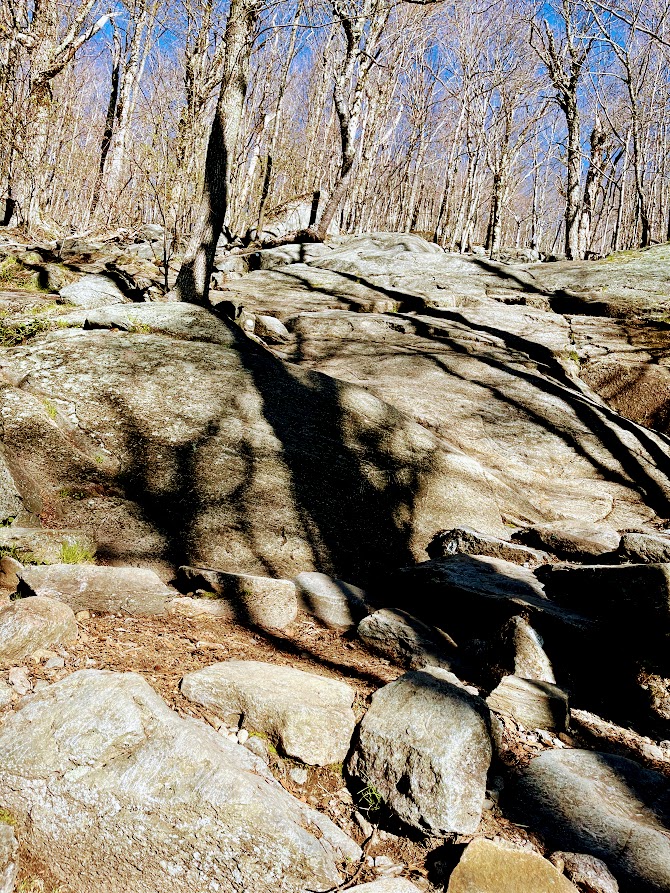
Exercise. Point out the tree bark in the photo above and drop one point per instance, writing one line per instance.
(192, 283)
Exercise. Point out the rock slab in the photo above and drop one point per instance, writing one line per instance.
(132, 590)
(32, 623)
(488, 866)
(405, 640)
(335, 603)
(9, 858)
(261, 601)
(606, 806)
(309, 717)
(424, 745)
(534, 704)
(118, 793)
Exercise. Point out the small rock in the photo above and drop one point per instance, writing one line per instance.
(42, 654)
(200, 607)
(404, 639)
(27, 625)
(19, 680)
(54, 663)
(270, 329)
(258, 747)
(537, 705)
(10, 569)
(424, 747)
(591, 875)
(366, 827)
(83, 615)
(242, 736)
(336, 604)
(298, 774)
(489, 866)
(309, 716)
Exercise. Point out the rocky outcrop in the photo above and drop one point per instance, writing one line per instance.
(118, 793)
(308, 717)
(424, 747)
(603, 805)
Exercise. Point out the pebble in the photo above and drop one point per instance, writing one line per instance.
(298, 774)
(18, 679)
(55, 663)
(83, 615)
(242, 736)
(42, 654)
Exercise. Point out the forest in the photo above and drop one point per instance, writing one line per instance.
(519, 124)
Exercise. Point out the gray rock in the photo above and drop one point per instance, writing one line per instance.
(262, 601)
(152, 232)
(530, 658)
(424, 746)
(45, 546)
(308, 717)
(93, 290)
(19, 680)
(270, 329)
(603, 805)
(536, 705)
(9, 858)
(98, 770)
(335, 603)
(11, 502)
(104, 589)
(489, 866)
(644, 548)
(465, 541)
(6, 694)
(406, 640)
(591, 875)
(10, 569)
(386, 885)
(576, 542)
(27, 625)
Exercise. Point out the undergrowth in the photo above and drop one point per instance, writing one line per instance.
(75, 553)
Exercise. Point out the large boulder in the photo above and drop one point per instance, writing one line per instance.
(489, 866)
(117, 793)
(29, 624)
(607, 806)
(406, 640)
(105, 589)
(308, 717)
(574, 542)
(93, 290)
(45, 546)
(534, 704)
(424, 747)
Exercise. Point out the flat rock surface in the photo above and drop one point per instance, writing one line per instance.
(492, 867)
(535, 704)
(83, 587)
(308, 717)
(28, 624)
(121, 794)
(262, 601)
(606, 806)
(424, 746)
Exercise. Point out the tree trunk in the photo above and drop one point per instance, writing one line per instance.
(193, 280)
(591, 186)
(573, 196)
(109, 122)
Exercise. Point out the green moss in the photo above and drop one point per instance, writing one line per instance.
(52, 412)
(6, 818)
(75, 553)
(25, 556)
